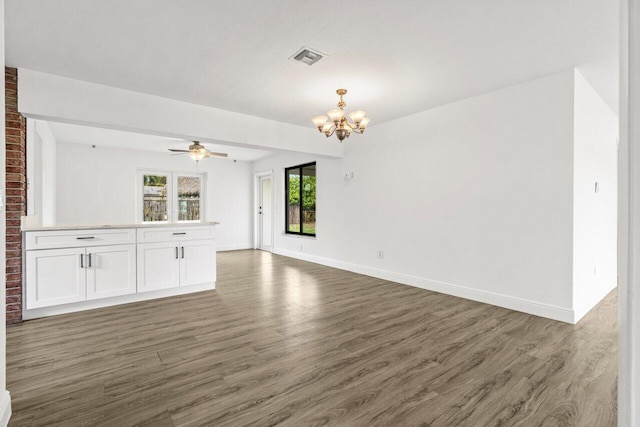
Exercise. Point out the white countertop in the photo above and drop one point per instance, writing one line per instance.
(110, 226)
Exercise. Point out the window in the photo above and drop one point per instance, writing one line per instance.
(300, 191)
(171, 196)
(154, 198)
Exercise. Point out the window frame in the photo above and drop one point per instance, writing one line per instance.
(286, 199)
(172, 195)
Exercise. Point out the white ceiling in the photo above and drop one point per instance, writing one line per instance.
(64, 132)
(394, 57)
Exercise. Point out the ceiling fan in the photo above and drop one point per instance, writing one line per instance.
(197, 152)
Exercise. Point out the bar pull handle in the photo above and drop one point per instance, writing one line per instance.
(81, 260)
(176, 252)
(182, 252)
(85, 238)
(179, 234)
(89, 266)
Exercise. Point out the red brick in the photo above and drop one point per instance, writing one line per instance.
(15, 155)
(14, 299)
(15, 223)
(11, 238)
(16, 191)
(15, 162)
(14, 291)
(16, 184)
(14, 246)
(14, 307)
(15, 177)
(14, 318)
(14, 269)
(14, 261)
(13, 276)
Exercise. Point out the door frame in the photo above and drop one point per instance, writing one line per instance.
(257, 227)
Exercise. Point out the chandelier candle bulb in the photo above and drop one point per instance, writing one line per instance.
(363, 124)
(338, 123)
(335, 115)
(319, 121)
(357, 116)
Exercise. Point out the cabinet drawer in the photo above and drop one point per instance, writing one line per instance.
(174, 234)
(78, 238)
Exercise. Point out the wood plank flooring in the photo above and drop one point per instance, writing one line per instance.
(285, 342)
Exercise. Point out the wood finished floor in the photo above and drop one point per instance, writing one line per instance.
(285, 342)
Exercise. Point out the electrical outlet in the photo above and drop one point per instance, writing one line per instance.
(300, 247)
(380, 254)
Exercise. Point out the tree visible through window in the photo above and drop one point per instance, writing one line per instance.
(300, 190)
(189, 198)
(172, 196)
(154, 197)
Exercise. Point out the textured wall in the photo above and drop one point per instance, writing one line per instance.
(15, 195)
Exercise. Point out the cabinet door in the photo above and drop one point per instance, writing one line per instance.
(158, 266)
(111, 271)
(54, 277)
(197, 262)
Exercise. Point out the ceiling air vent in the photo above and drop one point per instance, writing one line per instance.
(307, 56)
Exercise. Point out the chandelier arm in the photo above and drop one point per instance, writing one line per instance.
(333, 130)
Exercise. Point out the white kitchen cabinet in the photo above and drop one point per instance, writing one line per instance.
(163, 265)
(71, 269)
(158, 266)
(63, 276)
(197, 262)
(54, 277)
(111, 271)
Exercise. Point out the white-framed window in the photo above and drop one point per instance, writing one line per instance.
(168, 196)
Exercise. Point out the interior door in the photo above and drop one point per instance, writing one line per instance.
(265, 214)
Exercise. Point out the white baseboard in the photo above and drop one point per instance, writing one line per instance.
(240, 247)
(580, 312)
(517, 304)
(35, 313)
(5, 408)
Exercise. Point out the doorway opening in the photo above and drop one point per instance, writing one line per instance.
(264, 211)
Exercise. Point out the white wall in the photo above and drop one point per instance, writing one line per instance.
(472, 198)
(98, 186)
(41, 172)
(595, 213)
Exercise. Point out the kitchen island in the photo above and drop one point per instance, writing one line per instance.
(71, 268)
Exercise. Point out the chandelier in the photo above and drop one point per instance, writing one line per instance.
(337, 122)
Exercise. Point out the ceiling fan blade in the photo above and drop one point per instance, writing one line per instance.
(178, 151)
(212, 153)
(179, 154)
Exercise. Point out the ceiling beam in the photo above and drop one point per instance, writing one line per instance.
(54, 98)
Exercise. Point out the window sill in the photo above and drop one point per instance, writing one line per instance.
(300, 236)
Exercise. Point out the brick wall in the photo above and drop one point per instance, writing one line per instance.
(16, 193)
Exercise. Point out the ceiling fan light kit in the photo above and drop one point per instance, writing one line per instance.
(198, 152)
(337, 123)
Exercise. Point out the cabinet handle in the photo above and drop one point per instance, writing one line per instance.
(85, 238)
(81, 260)
(178, 234)
(176, 252)
(182, 252)
(89, 261)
